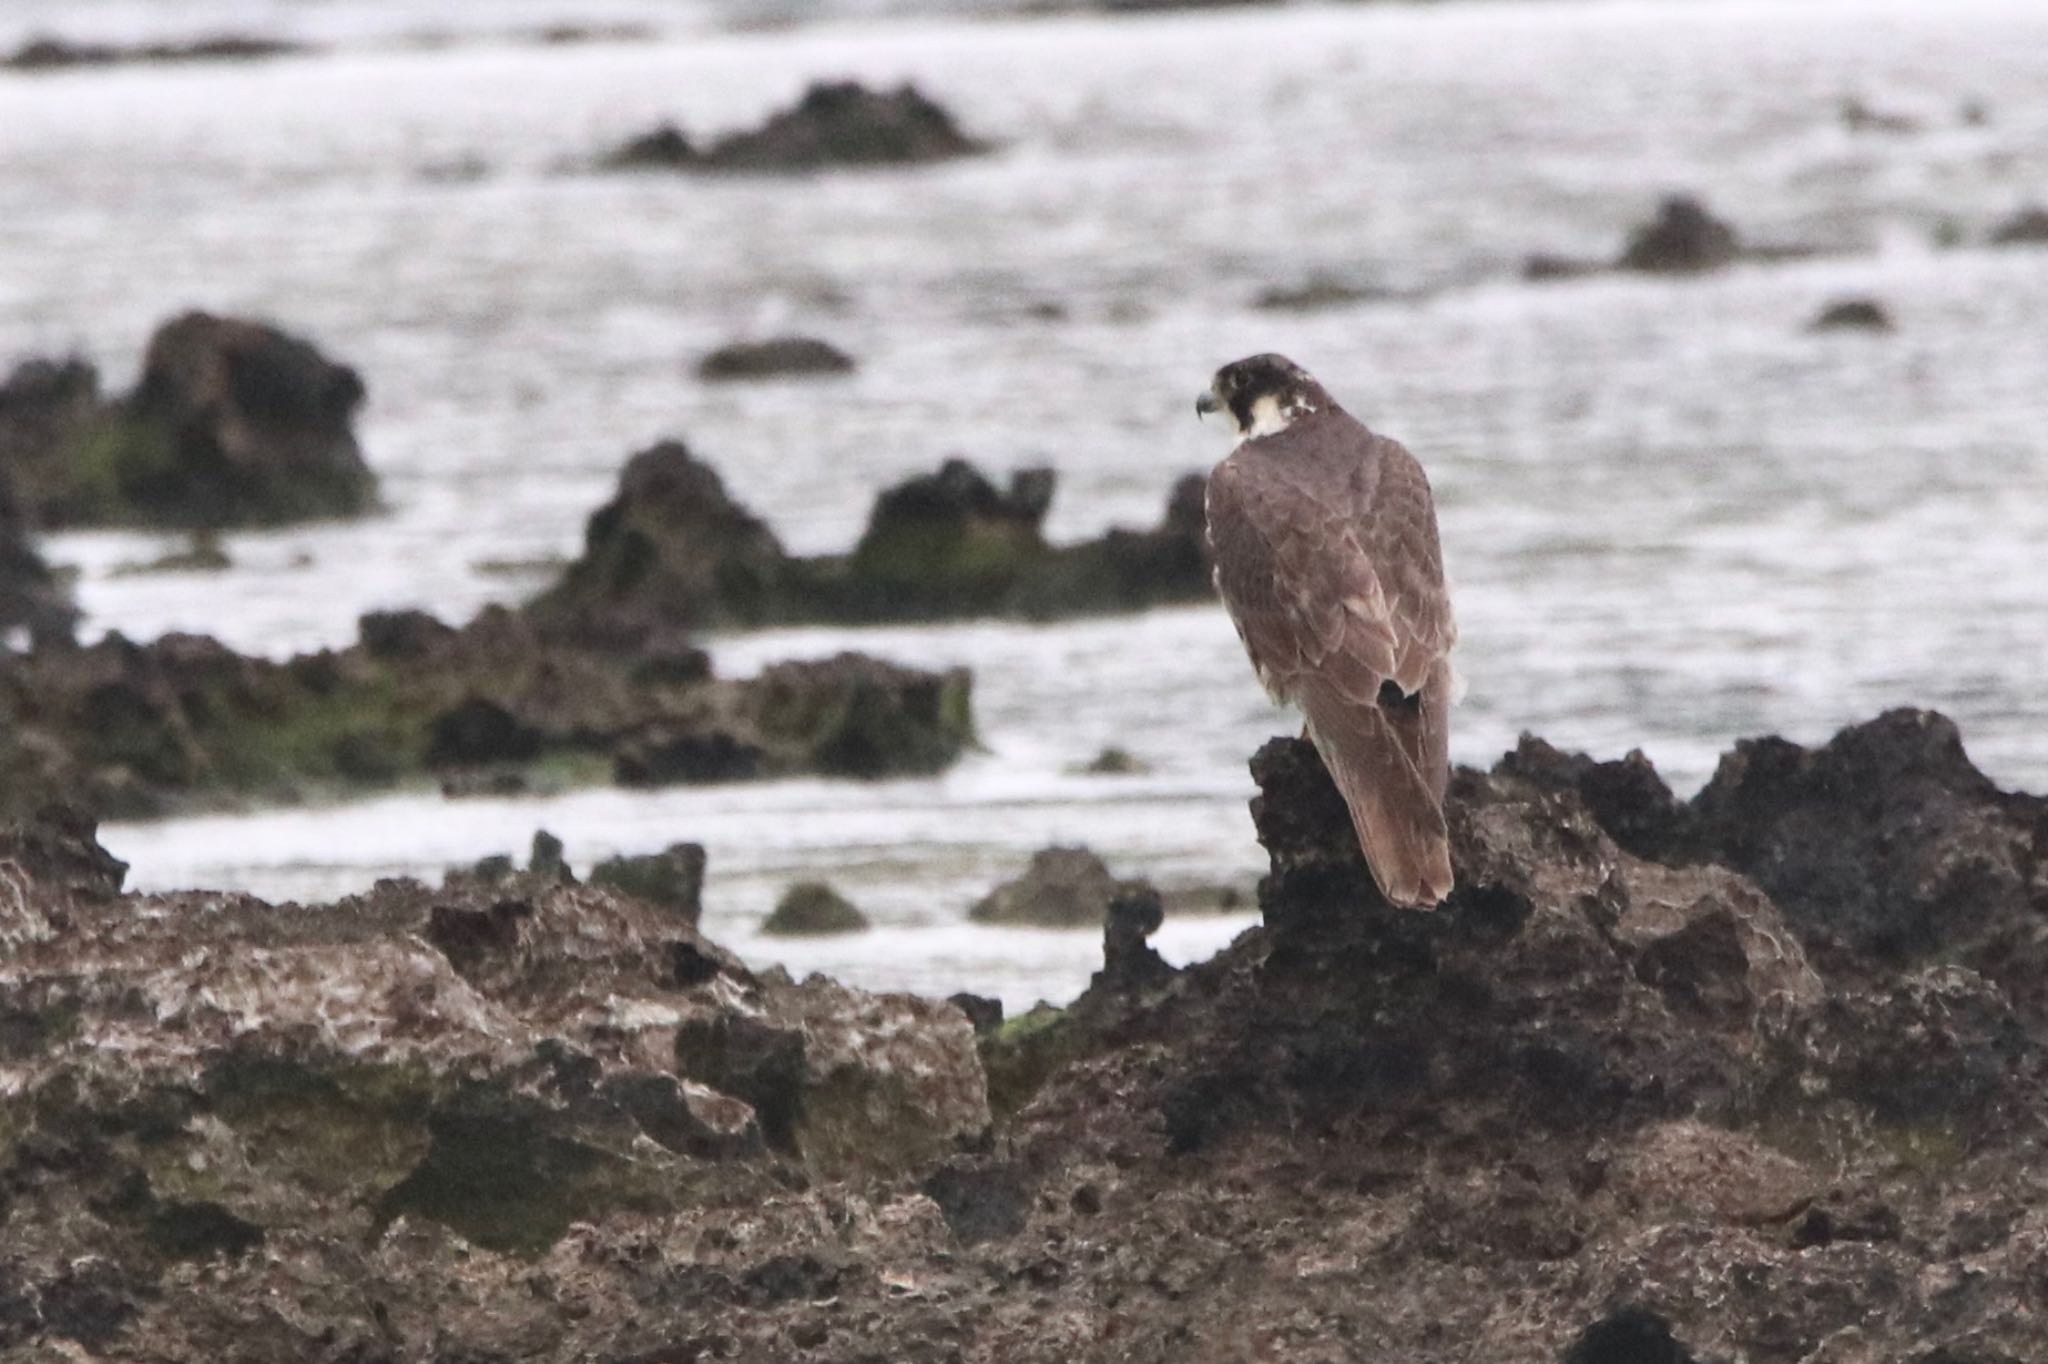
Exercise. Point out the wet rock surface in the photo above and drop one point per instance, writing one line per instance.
(1852, 315)
(776, 357)
(1683, 237)
(835, 123)
(135, 730)
(810, 908)
(673, 551)
(56, 54)
(1616, 1101)
(232, 422)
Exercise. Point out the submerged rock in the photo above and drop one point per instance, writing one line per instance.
(1116, 762)
(1683, 238)
(674, 551)
(1852, 315)
(51, 54)
(1315, 295)
(778, 357)
(811, 908)
(232, 423)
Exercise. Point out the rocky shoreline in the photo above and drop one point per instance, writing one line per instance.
(1756, 1076)
(140, 730)
(597, 678)
(673, 551)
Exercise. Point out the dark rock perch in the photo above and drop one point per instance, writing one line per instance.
(836, 123)
(232, 423)
(777, 357)
(1601, 1107)
(673, 551)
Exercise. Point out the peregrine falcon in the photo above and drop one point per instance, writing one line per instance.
(1324, 539)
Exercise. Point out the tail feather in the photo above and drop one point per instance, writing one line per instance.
(1386, 765)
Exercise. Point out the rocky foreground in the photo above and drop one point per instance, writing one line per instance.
(1755, 1077)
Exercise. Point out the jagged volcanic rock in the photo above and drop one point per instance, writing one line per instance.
(674, 551)
(1602, 1107)
(232, 422)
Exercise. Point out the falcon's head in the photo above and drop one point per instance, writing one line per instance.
(1263, 394)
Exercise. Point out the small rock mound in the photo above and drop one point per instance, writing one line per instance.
(667, 147)
(671, 550)
(778, 357)
(2028, 227)
(843, 123)
(1852, 315)
(1683, 238)
(1116, 762)
(813, 909)
(1061, 888)
(836, 123)
(1315, 295)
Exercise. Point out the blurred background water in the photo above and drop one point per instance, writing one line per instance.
(1672, 515)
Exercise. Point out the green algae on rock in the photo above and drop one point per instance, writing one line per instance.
(232, 422)
(835, 123)
(811, 908)
(137, 730)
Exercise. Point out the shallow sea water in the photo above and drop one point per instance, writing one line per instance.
(1672, 516)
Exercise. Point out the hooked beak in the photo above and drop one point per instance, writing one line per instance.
(1205, 404)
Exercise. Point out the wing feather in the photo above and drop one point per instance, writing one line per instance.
(1326, 556)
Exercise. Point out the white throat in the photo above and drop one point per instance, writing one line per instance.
(1270, 418)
